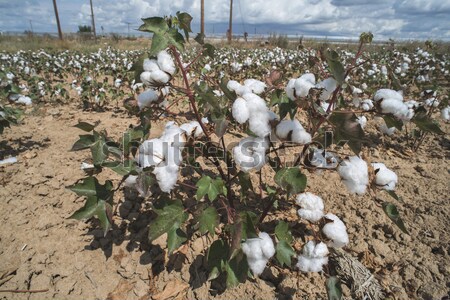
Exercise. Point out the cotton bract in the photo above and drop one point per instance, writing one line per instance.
(385, 178)
(354, 173)
(313, 257)
(311, 207)
(258, 252)
(335, 231)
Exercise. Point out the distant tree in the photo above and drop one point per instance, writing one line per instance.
(84, 28)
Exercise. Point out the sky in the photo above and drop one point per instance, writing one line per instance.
(397, 19)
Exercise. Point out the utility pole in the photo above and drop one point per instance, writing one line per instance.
(57, 20)
(31, 26)
(202, 17)
(128, 23)
(93, 22)
(230, 29)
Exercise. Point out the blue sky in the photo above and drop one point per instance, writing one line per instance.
(408, 19)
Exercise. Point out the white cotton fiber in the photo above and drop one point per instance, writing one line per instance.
(258, 252)
(151, 153)
(398, 108)
(250, 154)
(255, 103)
(354, 174)
(10, 160)
(146, 77)
(233, 85)
(256, 86)
(173, 135)
(445, 113)
(304, 84)
(328, 86)
(336, 232)
(165, 62)
(313, 257)
(150, 65)
(311, 207)
(290, 89)
(131, 181)
(242, 90)
(159, 77)
(366, 104)
(385, 178)
(167, 176)
(387, 131)
(147, 97)
(192, 128)
(324, 159)
(362, 120)
(298, 135)
(259, 124)
(387, 94)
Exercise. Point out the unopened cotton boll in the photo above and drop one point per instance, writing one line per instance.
(240, 110)
(258, 252)
(313, 257)
(250, 154)
(166, 62)
(354, 173)
(311, 206)
(147, 97)
(385, 178)
(335, 231)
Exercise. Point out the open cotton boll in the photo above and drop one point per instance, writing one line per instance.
(167, 176)
(258, 252)
(395, 107)
(366, 104)
(151, 153)
(233, 85)
(311, 206)
(362, 120)
(240, 110)
(150, 65)
(242, 90)
(323, 159)
(192, 128)
(304, 84)
(387, 131)
(159, 77)
(173, 135)
(290, 89)
(298, 135)
(355, 174)
(328, 86)
(336, 232)
(259, 123)
(313, 257)
(146, 77)
(387, 94)
(432, 102)
(255, 86)
(250, 154)
(165, 62)
(385, 178)
(445, 113)
(147, 97)
(255, 103)
(24, 100)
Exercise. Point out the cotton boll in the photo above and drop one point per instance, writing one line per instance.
(258, 252)
(313, 257)
(362, 120)
(336, 232)
(255, 103)
(173, 135)
(387, 94)
(255, 86)
(284, 128)
(242, 90)
(150, 65)
(311, 207)
(24, 100)
(267, 246)
(304, 84)
(328, 85)
(387, 131)
(298, 133)
(146, 77)
(250, 154)
(192, 128)
(395, 107)
(355, 175)
(147, 97)
(159, 77)
(166, 62)
(167, 177)
(290, 89)
(240, 111)
(151, 152)
(432, 102)
(259, 124)
(366, 104)
(131, 181)
(323, 159)
(385, 178)
(300, 136)
(233, 85)
(445, 113)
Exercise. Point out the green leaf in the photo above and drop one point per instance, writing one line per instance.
(86, 126)
(131, 136)
(336, 67)
(209, 50)
(88, 187)
(245, 183)
(392, 121)
(393, 214)
(169, 217)
(207, 186)
(291, 180)
(175, 237)
(394, 195)
(200, 38)
(209, 219)
(334, 290)
(249, 220)
(282, 232)
(231, 95)
(138, 67)
(221, 124)
(236, 269)
(425, 123)
(163, 36)
(216, 257)
(85, 141)
(120, 168)
(98, 151)
(154, 24)
(284, 253)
